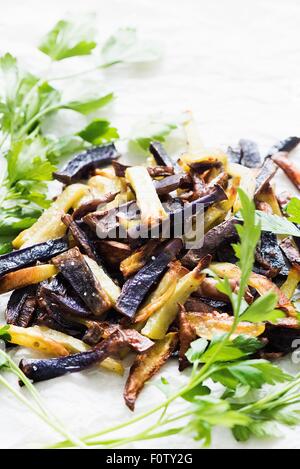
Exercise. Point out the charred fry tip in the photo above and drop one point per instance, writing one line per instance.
(203, 264)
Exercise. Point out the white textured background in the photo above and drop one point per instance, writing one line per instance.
(236, 64)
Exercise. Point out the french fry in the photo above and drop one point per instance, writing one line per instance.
(56, 344)
(163, 292)
(207, 325)
(158, 324)
(37, 339)
(262, 284)
(28, 276)
(49, 225)
(289, 286)
(138, 258)
(247, 181)
(146, 365)
(111, 289)
(148, 202)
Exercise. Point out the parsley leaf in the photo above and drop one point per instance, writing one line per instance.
(277, 224)
(196, 350)
(125, 46)
(154, 129)
(4, 332)
(252, 373)
(235, 349)
(88, 104)
(99, 131)
(68, 39)
(27, 160)
(263, 309)
(293, 210)
(208, 412)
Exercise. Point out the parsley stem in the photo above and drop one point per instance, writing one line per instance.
(270, 397)
(41, 411)
(85, 72)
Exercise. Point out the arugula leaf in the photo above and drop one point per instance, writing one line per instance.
(99, 131)
(263, 309)
(293, 210)
(68, 39)
(89, 104)
(277, 224)
(124, 46)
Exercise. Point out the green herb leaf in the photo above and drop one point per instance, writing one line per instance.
(10, 76)
(61, 148)
(193, 394)
(125, 46)
(252, 373)
(27, 160)
(196, 350)
(145, 133)
(99, 131)
(4, 333)
(293, 210)
(88, 104)
(68, 39)
(263, 309)
(277, 224)
(239, 347)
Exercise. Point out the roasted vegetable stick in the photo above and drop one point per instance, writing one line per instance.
(187, 335)
(37, 338)
(111, 289)
(262, 284)
(136, 288)
(28, 276)
(266, 173)
(149, 204)
(268, 196)
(146, 365)
(207, 325)
(81, 165)
(247, 181)
(40, 370)
(75, 268)
(205, 158)
(49, 225)
(158, 324)
(213, 240)
(74, 345)
(288, 288)
(138, 258)
(289, 168)
(28, 256)
(163, 292)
